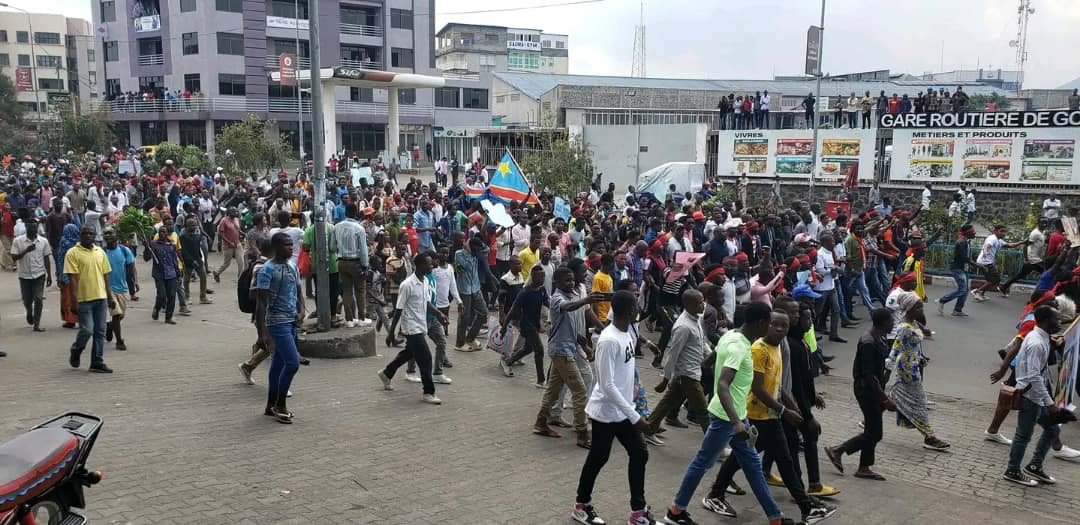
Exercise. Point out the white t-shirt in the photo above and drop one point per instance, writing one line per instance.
(926, 199)
(446, 291)
(824, 266)
(295, 234)
(93, 218)
(971, 201)
(32, 265)
(1051, 208)
(1036, 248)
(612, 399)
(989, 250)
(413, 297)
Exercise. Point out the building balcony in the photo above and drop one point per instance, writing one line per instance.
(301, 62)
(151, 60)
(146, 24)
(361, 30)
(460, 75)
(362, 64)
(120, 108)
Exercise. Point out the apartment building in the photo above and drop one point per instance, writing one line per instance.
(181, 70)
(49, 58)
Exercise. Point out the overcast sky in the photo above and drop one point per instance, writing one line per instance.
(762, 38)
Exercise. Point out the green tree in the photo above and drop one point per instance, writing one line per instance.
(169, 151)
(13, 137)
(252, 145)
(194, 159)
(978, 102)
(565, 169)
(81, 132)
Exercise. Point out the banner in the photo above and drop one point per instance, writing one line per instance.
(1029, 155)
(561, 209)
(287, 65)
(24, 80)
(1066, 380)
(508, 184)
(982, 119)
(787, 153)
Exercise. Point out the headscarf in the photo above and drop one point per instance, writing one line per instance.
(68, 241)
(907, 300)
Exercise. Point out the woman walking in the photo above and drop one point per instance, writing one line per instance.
(907, 361)
(68, 312)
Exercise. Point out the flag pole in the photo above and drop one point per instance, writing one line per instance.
(524, 178)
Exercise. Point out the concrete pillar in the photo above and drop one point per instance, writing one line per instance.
(393, 126)
(329, 119)
(210, 137)
(172, 131)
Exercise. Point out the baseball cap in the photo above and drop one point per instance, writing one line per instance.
(804, 290)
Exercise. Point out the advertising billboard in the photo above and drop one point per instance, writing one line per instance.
(788, 153)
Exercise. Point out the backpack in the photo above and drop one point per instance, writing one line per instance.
(243, 290)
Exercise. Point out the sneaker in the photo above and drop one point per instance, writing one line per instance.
(506, 368)
(246, 373)
(385, 381)
(441, 379)
(641, 517)
(682, 518)
(933, 443)
(288, 393)
(1039, 474)
(431, 399)
(475, 347)
(412, 377)
(940, 307)
(365, 322)
(585, 514)
(719, 506)
(101, 369)
(997, 437)
(1066, 454)
(185, 311)
(654, 440)
(819, 514)
(1019, 478)
(351, 323)
(958, 313)
(1005, 293)
(978, 296)
(541, 385)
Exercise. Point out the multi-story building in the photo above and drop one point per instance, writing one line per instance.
(467, 55)
(49, 58)
(215, 58)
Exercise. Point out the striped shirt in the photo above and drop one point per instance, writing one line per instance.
(351, 241)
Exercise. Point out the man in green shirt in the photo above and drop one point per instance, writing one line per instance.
(727, 415)
(308, 245)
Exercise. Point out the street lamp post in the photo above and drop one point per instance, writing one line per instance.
(299, 95)
(33, 54)
(817, 96)
(322, 275)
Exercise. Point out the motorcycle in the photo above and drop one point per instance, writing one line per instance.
(43, 472)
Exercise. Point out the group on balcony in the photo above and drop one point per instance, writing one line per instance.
(156, 99)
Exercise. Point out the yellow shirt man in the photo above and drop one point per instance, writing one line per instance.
(529, 258)
(602, 283)
(91, 265)
(767, 362)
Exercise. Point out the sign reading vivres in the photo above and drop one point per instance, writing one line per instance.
(992, 119)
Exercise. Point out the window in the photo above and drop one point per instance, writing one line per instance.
(230, 84)
(230, 43)
(150, 46)
(49, 61)
(92, 75)
(361, 94)
(22, 37)
(5, 59)
(491, 37)
(112, 86)
(31, 106)
(108, 11)
(401, 57)
(514, 97)
(473, 98)
(47, 38)
(406, 96)
(401, 19)
(153, 132)
(193, 133)
(187, 6)
(559, 44)
(153, 83)
(358, 16)
(547, 43)
(192, 82)
(232, 6)
(446, 97)
(3, 35)
(516, 60)
(288, 9)
(51, 84)
(112, 51)
(191, 43)
(91, 56)
(546, 106)
(24, 60)
(72, 65)
(487, 60)
(500, 99)
(71, 41)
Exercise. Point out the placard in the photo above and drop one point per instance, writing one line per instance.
(788, 153)
(1065, 394)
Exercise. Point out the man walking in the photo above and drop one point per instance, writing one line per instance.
(958, 267)
(88, 268)
(31, 254)
(1034, 255)
(279, 309)
(229, 235)
(414, 304)
(122, 262)
(987, 258)
(682, 367)
(472, 311)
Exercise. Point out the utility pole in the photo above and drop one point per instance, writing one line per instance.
(322, 271)
(817, 95)
(299, 91)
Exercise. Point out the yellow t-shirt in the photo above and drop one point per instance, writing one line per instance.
(529, 259)
(91, 265)
(602, 283)
(767, 361)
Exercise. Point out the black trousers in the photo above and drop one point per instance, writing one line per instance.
(810, 451)
(532, 345)
(1028, 268)
(865, 442)
(33, 298)
(603, 434)
(771, 440)
(415, 348)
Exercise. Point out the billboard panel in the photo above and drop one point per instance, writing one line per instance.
(788, 153)
(1031, 155)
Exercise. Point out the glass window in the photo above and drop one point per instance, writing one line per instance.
(3, 35)
(91, 56)
(47, 38)
(112, 51)
(191, 43)
(559, 44)
(231, 84)
(406, 96)
(22, 37)
(187, 6)
(232, 6)
(447, 97)
(48, 61)
(361, 94)
(401, 57)
(5, 59)
(401, 19)
(51, 84)
(149, 46)
(108, 11)
(192, 82)
(491, 37)
(473, 98)
(193, 133)
(154, 83)
(358, 16)
(112, 86)
(288, 9)
(24, 60)
(153, 132)
(230, 44)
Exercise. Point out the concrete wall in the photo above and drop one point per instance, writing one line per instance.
(617, 150)
(522, 111)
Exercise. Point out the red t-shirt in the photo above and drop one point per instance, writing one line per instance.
(894, 105)
(1053, 247)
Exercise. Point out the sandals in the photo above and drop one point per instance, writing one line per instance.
(281, 417)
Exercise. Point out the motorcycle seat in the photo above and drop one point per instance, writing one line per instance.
(30, 460)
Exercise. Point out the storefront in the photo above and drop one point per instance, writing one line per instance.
(459, 143)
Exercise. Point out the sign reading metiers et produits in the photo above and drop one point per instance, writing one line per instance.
(992, 119)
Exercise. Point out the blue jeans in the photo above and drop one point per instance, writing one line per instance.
(961, 291)
(92, 318)
(1025, 427)
(284, 362)
(873, 284)
(717, 437)
(858, 286)
(883, 277)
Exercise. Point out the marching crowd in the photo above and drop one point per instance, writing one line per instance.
(741, 301)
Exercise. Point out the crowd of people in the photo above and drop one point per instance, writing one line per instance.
(736, 304)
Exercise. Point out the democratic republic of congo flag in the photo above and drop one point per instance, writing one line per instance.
(508, 184)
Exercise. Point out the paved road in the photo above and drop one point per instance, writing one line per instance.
(185, 442)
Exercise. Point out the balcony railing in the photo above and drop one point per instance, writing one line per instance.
(151, 60)
(362, 64)
(301, 62)
(266, 105)
(475, 77)
(362, 30)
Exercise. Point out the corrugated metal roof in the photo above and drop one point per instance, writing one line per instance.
(1075, 84)
(536, 84)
